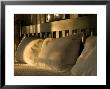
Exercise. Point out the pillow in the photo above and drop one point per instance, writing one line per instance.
(28, 50)
(60, 53)
(86, 64)
(90, 43)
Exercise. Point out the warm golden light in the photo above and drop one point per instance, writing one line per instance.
(31, 51)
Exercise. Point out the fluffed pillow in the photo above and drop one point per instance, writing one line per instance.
(60, 53)
(86, 64)
(29, 50)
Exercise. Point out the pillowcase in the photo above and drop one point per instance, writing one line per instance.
(60, 53)
(86, 64)
(28, 50)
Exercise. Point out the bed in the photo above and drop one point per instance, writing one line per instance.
(56, 52)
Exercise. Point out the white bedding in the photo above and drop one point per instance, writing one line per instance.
(86, 64)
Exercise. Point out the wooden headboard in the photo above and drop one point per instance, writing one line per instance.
(62, 28)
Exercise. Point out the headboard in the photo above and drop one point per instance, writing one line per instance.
(86, 25)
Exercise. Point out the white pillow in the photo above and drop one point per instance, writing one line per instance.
(29, 50)
(60, 53)
(86, 64)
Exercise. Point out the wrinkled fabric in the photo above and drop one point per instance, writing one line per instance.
(86, 64)
(60, 53)
(29, 50)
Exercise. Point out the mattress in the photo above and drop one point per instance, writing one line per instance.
(39, 70)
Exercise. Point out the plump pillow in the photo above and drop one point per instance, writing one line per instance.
(29, 50)
(60, 53)
(86, 64)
